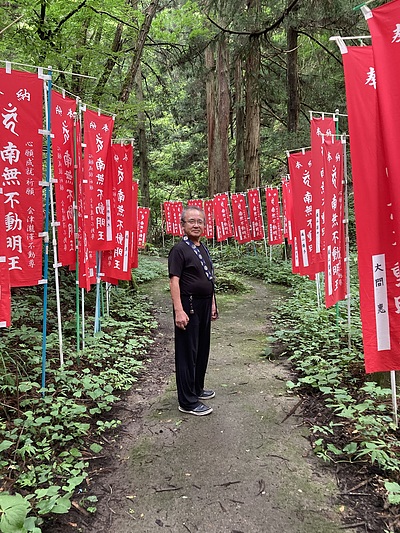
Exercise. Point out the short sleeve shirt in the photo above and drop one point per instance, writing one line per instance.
(184, 263)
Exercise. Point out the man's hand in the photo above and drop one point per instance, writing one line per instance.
(181, 319)
(214, 310)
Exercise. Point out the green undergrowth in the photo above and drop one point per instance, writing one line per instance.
(50, 436)
(326, 352)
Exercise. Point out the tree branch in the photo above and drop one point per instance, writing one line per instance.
(258, 32)
(321, 45)
(99, 12)
(68, 16)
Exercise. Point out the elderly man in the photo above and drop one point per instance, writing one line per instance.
(193, 298)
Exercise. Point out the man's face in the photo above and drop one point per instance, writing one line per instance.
(194, 224)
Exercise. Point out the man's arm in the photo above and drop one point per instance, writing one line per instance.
(181, 318)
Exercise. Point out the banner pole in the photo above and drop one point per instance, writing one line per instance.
(162, 227)
(318, 289)
(56, 266)
(76, 215)
(394, 396)
(346, 225)
(47, 97)
(108, 288)
(83, 317)
(97, 325)
(263, 223)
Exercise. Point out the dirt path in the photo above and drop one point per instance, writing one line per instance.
(243, 469)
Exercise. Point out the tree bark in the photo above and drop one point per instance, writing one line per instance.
(293, 86)
(240, 118)
(108, 67)
(142, 143)
(218, 113)
(252, 121)
(128, 84)
(210, 108)
(223, 114)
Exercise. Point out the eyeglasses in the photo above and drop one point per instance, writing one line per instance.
(193, 221)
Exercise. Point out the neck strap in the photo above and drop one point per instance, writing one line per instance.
(209, 273)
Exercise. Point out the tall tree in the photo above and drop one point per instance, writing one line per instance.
(128, 83)
(240, 125)
(142, 142)
(218, 114)
(293, 86)
(252, 88)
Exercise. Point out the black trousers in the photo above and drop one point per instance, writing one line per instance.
(192, 349)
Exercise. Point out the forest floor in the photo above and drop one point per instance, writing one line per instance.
(246, 468)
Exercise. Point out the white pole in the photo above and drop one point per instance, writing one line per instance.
(318, 288)
(53, 225)
(394, 396)
(346, 223)
(108, 289)
(83, 317)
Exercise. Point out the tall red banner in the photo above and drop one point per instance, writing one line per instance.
(62, 127)
(319, 127)
(335, 238)
(86, 258)
(118, 260)
(287, 202)
(273, 216)
(167, 211)
(384, 25)
(222, 217)
(143, 218)
(21, 171)
(209, 212)
(378, 247)
(177, 208)
(255, 214)
(303, 239)
(240, 218)
(97, 130)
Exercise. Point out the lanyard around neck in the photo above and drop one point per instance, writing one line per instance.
(208, 273)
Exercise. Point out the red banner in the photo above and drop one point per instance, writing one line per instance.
(240, 218)
(273, 216)
(378, 248)
(118, 260)
(222, 217)
(62, 127)
(177, 208)
(384, 26)
(21, 169)
(287, 202)
(142, 225)
(195, 201)
(167, 210)
(303, 239)
(209, 212)
(255, 214)
(319, 127)
(335, 238)
(97, 135)
(86, 258)
(5, 293)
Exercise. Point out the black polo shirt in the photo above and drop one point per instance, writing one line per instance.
(184, 263)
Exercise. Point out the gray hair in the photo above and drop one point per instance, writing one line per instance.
(192, 208)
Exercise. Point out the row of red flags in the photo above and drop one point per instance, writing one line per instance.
(96, 196)
(312, 201)
(238, 216)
